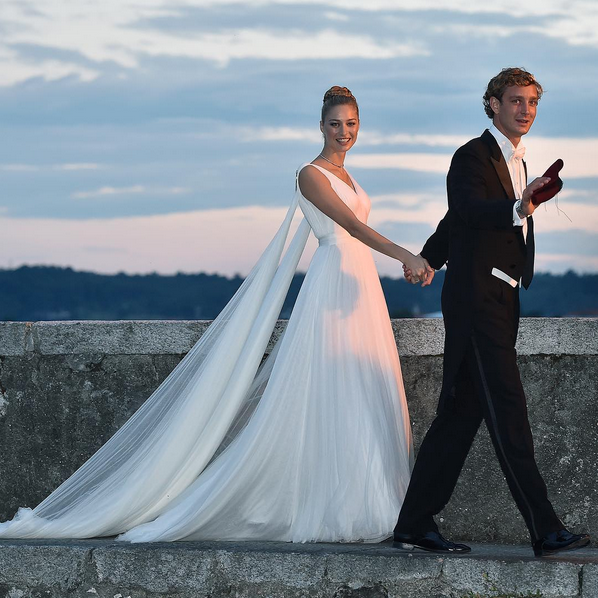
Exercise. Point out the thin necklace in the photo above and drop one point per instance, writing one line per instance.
(331, 162)
(350, 183)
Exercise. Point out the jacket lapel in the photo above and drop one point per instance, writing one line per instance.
(498, 161)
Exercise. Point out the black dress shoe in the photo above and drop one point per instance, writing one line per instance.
(430, 541)
(559, 541)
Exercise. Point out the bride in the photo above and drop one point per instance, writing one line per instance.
(314, 444)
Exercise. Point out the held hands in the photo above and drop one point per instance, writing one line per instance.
(417, 269)
(527, 206)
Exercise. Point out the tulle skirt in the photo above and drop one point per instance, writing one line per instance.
(326, 454)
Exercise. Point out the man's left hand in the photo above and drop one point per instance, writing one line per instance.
(527, 207)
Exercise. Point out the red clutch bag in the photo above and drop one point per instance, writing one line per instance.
(550, 189)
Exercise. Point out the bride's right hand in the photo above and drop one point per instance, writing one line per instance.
(417, 267)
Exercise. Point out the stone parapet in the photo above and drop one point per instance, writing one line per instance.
(540, 336)
(66, 387)
(107, 569)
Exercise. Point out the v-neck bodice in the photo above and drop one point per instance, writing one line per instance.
(325, 229)
(351, 186)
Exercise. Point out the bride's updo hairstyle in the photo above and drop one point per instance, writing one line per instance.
(337, 96)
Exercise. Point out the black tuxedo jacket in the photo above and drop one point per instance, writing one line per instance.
(475, 236)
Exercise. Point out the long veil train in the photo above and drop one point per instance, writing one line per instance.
(171, 438)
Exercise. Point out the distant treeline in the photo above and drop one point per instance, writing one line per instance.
(50, 293)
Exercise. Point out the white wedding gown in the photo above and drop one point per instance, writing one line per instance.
(313, 446)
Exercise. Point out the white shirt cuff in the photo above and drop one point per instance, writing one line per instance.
(516, 220)
(500, 274)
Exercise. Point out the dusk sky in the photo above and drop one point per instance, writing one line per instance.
(164, 135)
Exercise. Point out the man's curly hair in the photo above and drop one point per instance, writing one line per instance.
(506, 78)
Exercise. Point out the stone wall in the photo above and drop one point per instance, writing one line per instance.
(66, 387)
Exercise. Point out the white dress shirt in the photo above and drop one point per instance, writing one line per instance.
(514, 158)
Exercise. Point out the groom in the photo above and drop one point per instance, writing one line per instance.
(487, 237)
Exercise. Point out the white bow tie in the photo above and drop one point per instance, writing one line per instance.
(519, 153)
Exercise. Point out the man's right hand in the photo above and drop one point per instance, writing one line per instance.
(527, 207)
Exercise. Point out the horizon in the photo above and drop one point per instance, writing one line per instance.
(298, 272)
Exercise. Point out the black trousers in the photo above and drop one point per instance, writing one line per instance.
(488, 387)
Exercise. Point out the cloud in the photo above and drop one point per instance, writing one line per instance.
(579, 155)
(16, 69)
(118, 38)
(336, 16)
(104, 250)
(77, 166)
(574, 241)
(225, 241)
(581, 216)
(73, 166)
(231, 240)
(559, 263)
(575, 29)
(132, 190)
(366, 137)
(252, 134)
(430, 140)
(124, 32)
(577, 195)
(429, 212)
(19, 167)
(426, 208)
(420, 162)
(573, 21)
(222, 47)
(411, 201)
(406, 232)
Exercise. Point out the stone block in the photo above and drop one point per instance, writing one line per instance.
(558, 336)
(161, 568)
(398, 573)
(58, 569)
(118, 338)
(520, 577)
(15, 338)
(415, 336)
(589, 587)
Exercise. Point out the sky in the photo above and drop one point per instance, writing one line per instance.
(163, 135)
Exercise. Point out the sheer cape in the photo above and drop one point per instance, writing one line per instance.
(199, 408)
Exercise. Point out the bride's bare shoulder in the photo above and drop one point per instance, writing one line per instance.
(311, 176)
